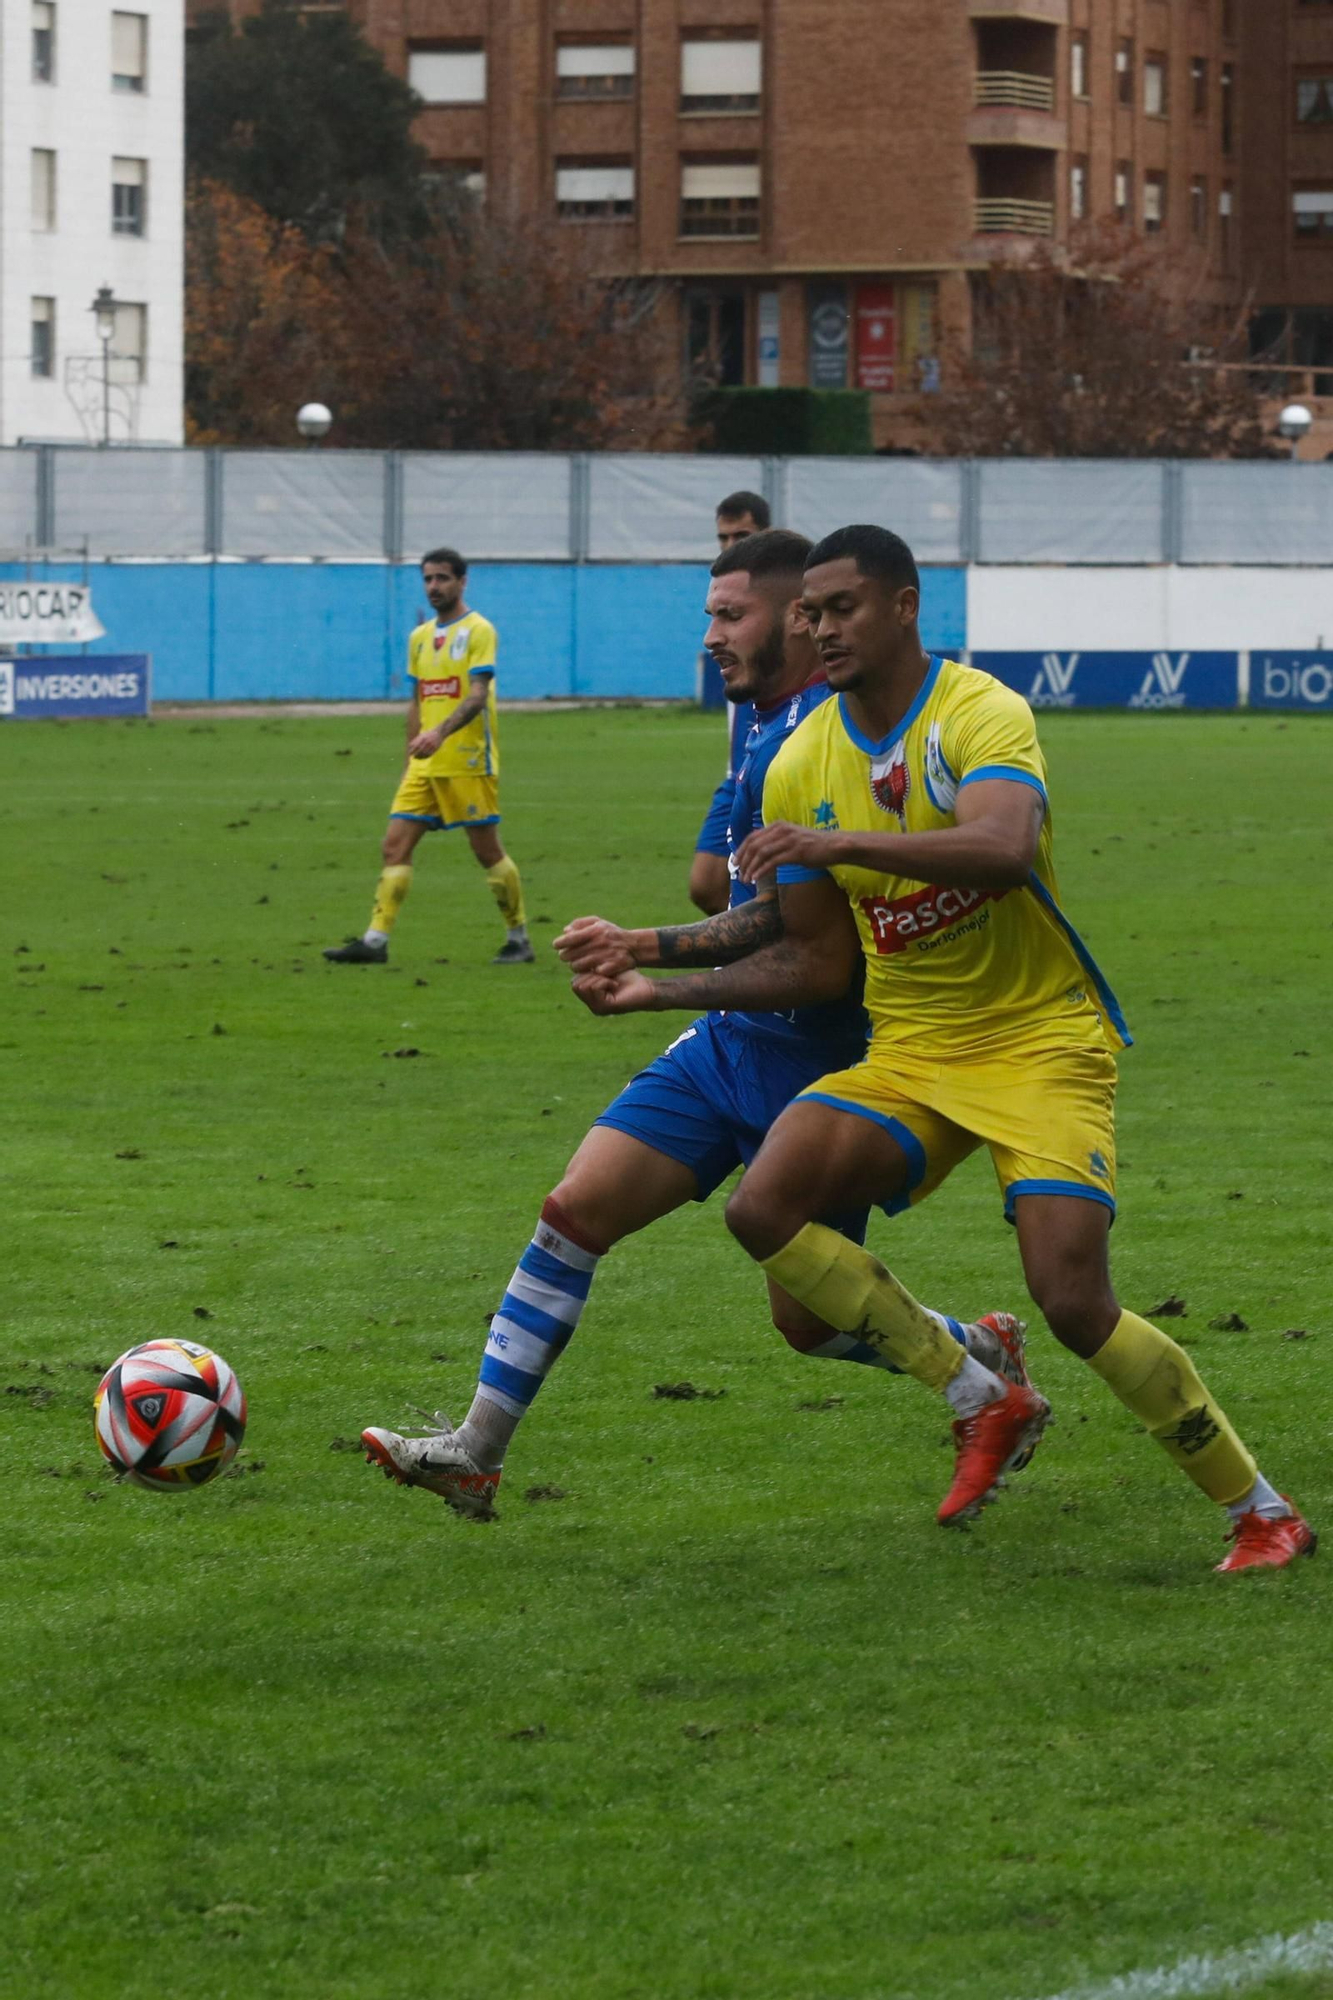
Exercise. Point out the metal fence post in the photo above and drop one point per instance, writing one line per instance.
(393, 506)
(773, 481)
(580, 506)
(45, 522)
(213, 501)
(1173, 511)
(969, 524)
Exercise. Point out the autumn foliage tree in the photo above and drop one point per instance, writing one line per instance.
(1108, 353)
(476, 336)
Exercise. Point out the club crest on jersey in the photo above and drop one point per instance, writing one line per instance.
(891, 783)
(941, 784)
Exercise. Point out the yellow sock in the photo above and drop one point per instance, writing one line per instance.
(853, 1292)
(1156, 1379)
(507, 890)
(393, 885)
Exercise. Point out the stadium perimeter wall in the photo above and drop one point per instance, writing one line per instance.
(327, 631)
(220, 631)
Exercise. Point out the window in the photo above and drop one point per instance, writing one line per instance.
(593, 190)
(719, 76)
(1312, 211)
(1124, 176)
(720, 200)
(1078, 66)
(1228, 107)
(1154, 86)
(1224, 225)
(43, 188)
(44, 338)
(129, 51)
(448, 76)
(1124, 72)
(1314, 100)
(1199, 87)
(129, 180)
(1154, 202)
(1199, 209)
(43, 41)
(594, 69)
(1078, 190)
(715, 342)
(129, 342)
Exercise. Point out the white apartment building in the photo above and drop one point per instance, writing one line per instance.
(91, 201)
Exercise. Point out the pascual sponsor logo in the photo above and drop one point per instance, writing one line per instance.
(1162, 684)
(903, 920)
(1053, 683)
(1311, 684)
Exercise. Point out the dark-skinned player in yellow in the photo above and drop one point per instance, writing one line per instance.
(918, 797)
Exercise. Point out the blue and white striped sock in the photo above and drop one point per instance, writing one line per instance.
(846, 1347)
(532, 1329)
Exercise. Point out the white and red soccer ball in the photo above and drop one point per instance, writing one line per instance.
(170, 1414)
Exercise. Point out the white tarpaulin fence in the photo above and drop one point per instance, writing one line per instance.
(619, 507)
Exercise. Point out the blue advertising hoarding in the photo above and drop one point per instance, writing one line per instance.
(1292, 680)
(74, 684)
(1118, 680)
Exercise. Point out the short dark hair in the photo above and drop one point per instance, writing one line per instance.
(877, 553)
(771, 552)
(450, 556)
(753, 504)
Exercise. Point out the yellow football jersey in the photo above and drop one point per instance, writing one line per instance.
(949, 972)
(440, 659)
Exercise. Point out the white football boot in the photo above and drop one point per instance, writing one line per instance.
(434, 1459)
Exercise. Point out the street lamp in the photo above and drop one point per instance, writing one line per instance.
(1294, 422)
(313, 421)
(103, 309)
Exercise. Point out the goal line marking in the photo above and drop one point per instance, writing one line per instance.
(1199, 1978)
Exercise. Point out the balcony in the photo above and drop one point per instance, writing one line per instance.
(1052, 13)
(1002, 216)
(1009, 87)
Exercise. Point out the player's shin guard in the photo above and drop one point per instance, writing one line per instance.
(535, 1323)
(507, 889)
(393, 885)
(853, 1292)
(1156, 1379)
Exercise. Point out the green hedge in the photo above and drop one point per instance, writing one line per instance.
(785, 422)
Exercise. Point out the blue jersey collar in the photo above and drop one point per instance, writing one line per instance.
(872, 749)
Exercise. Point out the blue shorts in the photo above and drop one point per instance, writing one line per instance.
(710, 1099)
(713, 833)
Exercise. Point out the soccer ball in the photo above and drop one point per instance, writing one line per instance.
(170, 1414)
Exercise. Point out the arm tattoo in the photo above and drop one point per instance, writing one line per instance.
(778, 980)
(721, 940)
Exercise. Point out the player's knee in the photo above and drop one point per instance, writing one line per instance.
(754, 1222)
(1078, 1308)
(588, 1207)
(798, 1330)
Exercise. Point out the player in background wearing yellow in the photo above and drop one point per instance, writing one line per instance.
(739, 515)
(453, 765)
(918, 797)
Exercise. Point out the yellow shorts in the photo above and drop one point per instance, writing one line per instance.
(470, 800)
(1047, 1115)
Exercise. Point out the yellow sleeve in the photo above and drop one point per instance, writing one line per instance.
(780, 792)
(481, 646)
(993, 735)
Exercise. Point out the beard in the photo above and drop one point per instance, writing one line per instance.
(763, 668)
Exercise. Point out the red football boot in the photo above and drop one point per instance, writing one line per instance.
(1262, 1543)
(988, 1444)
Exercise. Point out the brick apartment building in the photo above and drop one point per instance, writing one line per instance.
(820, 180)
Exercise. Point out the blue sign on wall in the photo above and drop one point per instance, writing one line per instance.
(1118, 680)
(1291, 680)
(74, 684)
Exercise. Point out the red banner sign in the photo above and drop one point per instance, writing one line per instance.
(876, 336)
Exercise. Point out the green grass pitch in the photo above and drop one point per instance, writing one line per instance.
(715, 1710)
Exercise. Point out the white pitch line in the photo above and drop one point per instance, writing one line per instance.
(1199, 1978)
